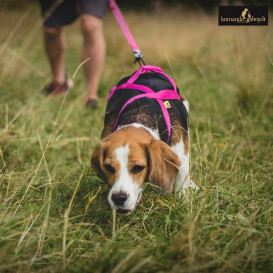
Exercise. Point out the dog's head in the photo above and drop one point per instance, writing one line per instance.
(129, 157)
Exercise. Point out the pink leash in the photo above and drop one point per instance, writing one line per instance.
(147, 92)
(126, 31)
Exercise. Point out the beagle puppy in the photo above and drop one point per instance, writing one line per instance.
(145, 138)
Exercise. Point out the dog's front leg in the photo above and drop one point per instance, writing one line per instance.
(183, 179)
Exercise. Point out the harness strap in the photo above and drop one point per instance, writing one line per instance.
(141, 70)
(148, 93)
(150, 68)
(126, 85)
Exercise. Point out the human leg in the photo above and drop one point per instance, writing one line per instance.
(54, 41)
(93, 48)
(56, 15)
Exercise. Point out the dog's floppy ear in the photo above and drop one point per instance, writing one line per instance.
(97, 161)
(164, 165)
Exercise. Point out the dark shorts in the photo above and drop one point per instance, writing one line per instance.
(63, 12)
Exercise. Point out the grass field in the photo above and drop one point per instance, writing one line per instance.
(54, 216)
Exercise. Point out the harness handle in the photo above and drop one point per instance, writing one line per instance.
(126, 31)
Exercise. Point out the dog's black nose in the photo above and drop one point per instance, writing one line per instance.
(119, 198)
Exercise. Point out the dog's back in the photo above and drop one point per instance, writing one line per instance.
(147, 111)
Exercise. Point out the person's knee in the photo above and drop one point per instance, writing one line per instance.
(52, 32)
(91, 25)
(54, 40)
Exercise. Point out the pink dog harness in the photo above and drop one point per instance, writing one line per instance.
(160, 96)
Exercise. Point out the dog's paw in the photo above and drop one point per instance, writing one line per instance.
(193, 185)
(184, 191)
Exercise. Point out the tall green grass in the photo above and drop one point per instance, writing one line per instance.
(54, 215)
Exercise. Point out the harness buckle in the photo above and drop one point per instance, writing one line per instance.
(167, 104)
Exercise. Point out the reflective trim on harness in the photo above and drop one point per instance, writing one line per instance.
(148, 93)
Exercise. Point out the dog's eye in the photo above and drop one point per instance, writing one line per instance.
(137, 169)
(109, 168)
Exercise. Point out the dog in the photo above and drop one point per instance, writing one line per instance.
(145, 138)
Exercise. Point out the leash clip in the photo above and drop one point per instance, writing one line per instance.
(138, 55)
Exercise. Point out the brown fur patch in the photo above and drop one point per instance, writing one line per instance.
(104, 154)
(160, 163)
(179, 132)
(182, 97)
(108, 128)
